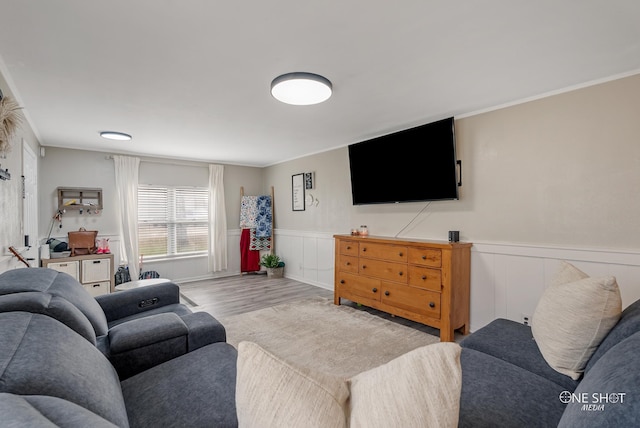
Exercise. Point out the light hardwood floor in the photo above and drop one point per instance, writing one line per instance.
(234, 295)
(245, 293)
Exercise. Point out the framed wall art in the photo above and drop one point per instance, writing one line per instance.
(297, 192)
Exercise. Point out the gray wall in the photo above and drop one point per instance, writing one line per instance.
(11, 222)
(562, 170)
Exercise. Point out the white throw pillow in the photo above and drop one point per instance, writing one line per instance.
(272, 393)
(419, 389)
(573, 316)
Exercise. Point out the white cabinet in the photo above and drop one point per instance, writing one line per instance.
(94, 271)
(70, 267)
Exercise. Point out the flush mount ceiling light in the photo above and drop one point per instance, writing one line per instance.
(111, 135)
(301, 89)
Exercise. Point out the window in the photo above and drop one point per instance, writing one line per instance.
(172, 221)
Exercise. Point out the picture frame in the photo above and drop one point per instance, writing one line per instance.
(308, 180)
(297, 192)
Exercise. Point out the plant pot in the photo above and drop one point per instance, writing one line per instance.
(275, 272)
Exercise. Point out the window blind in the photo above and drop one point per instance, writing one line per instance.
(172, 221)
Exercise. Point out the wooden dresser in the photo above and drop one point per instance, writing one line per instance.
(424, 281)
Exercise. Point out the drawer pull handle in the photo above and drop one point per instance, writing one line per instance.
(364, 249)
(95, 262)
(432, 305)
(63, 265)
(424, 277)
(424, 257)
(348, 247)
(342, 281)
(386, 293)
(348, 263)
(400, 273)
(400, 254)
(375, 290)
(364, 266)
(96, 285)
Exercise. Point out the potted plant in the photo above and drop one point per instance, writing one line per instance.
(273, 264)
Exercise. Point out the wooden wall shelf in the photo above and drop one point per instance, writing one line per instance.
(79, 198)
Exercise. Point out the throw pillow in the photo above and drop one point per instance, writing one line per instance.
(573, 316)
(567, 273)
(418, 389)
(272, 393)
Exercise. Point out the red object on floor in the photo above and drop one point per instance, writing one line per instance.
(249, 260)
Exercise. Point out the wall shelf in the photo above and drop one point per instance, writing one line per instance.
(79, 198)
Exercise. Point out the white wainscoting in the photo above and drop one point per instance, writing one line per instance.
(308, 256)
(507, 280)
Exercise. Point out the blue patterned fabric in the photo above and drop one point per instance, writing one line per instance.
(263, 217)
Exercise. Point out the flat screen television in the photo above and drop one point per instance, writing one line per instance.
(416, 164)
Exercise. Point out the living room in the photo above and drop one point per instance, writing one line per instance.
(545, 180)
(546, 132)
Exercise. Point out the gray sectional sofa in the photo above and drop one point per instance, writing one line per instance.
(135, 358)
(135, 329)
(55, 371)
(506, 382)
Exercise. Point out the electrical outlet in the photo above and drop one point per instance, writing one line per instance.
(526, 319)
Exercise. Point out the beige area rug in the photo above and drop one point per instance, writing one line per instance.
(317, 334)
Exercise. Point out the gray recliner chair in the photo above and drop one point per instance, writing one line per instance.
(136, 329)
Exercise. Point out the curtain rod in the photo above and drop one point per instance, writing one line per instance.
(168, 161)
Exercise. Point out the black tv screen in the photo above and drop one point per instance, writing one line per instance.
(416, 164)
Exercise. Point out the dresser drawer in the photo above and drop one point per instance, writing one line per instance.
(393, 253)
(423, 277)
(355, 285)
(384, 270)
(71, 268)
(347, 263)
(96, 270)
(349, 248)
(412, 299)
(98, 288)
(425, 256)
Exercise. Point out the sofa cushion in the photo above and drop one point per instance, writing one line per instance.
(272, 393)
(608, 394)
(57, 284)
(498, 393)
(41, 356)
(38, 411)
(628, 324)
(513, 342)
(572, 318)
(420, 388)
(194, 390)
(56, 307)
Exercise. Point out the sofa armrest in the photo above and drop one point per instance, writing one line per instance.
(204, 329)
(125, 303)
(137, 345)
(145, 331)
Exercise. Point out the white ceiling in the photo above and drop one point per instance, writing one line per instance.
(190, 79)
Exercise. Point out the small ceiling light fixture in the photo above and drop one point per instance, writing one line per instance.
(301, 89)
(112, 135)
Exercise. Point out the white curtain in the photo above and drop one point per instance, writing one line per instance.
(217, 220)
(126, 169)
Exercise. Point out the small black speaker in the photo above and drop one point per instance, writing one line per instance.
(454, 235)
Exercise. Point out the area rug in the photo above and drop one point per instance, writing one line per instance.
(317, 334)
